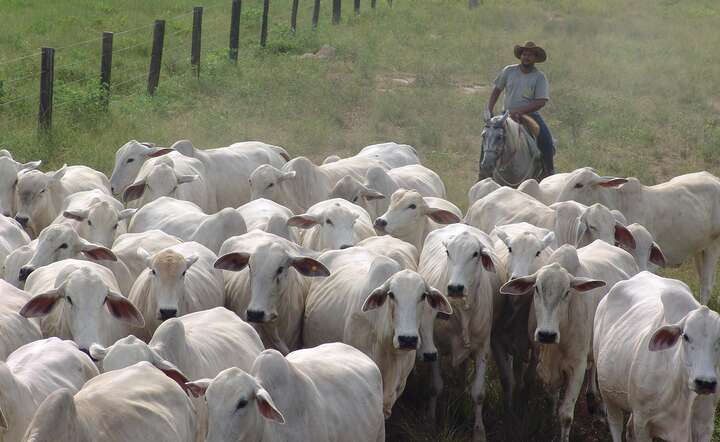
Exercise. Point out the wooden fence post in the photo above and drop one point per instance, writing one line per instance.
(373, 3)
(357, 7)
(106, 68)
(196, 40)
(316, 14)
(235, 30)
(293, 15)
(47, 68)
(390, 3)
(336, 12)
(156, 56)
(264, 28)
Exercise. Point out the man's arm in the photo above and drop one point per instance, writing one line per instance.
(531, 107)
(493, 99)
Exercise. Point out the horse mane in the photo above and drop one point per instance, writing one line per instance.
(512, 133)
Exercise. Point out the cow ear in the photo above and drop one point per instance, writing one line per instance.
(121, 308)
(487, 260)
(442, 216)
(665, 337)
(438, 301)
(548, 240)
(154, 152)
(199, 387)
(3, 421)
(657, 256)
(190, 260)
(31, 165)
(127, 213)
(377, 298)
(42, 304)
(372, 194)
(97, 252)
(503, 236)
(77, 214)
(267, 407)
(58, 174)
(183, 179)
(586, 284)
(518, 286)
(134, 191)
(169, 369)
(98, 352)
(233, 262)
(303, 221)
(287, 176)
(611, 182)
(624, 236)
(580, 229)
(309, 266)
(145, 256)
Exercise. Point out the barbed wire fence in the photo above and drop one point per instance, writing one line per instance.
(131, 57)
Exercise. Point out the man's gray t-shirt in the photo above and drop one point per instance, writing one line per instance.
(520, 88)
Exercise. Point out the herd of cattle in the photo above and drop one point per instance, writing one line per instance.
(238, 294)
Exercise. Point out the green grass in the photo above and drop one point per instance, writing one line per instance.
(634, 93)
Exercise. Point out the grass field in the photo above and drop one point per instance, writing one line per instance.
(634, 92)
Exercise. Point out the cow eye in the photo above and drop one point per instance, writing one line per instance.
(63, 246)
(412, 206)
(43, 191)
(153, 272)
(279, 271)
(130, 160)
(475, 255)
(391, 295)
(537, 254)
(509, 249)
(69, 300)
(89, 223)
(686, 337)
(115, 226)
(329, 222)
(270, 185)
(447, 252)
(184, 272)
(578, 186)
(242, 404)
(355, 199)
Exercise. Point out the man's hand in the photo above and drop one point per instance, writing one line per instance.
(516, 115)
(487, 114)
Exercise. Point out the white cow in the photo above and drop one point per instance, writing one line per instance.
(138, 403)
(566, 294)
(172, 175)
(406, 254)
(188, 222)
(647, 253)
(12, 237)
(392, 154)
(459, 259)
(548, 190)
(266, 284)
(228, 167)
(328, 393)
(333, 224)
(683, 214)
(572, 223)
(178, 280)
(15, 330)
(14, 262)
(411, 217)
(373, 193)
(378, 313)
(300, 183)
(268, 216)
(9, 170)
(669, 384)
(481, 189)
(95, 215)
(39, 196)
(32, 373)
(127, 246)
(80, 300)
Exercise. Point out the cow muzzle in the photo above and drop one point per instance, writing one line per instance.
(167, 313)
(408, 342)
(705, 386)
(380, 224)
(546, 337)
(456, 290)
(25, 271)
(430, 357)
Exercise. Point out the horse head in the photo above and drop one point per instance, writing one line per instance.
(493, 142)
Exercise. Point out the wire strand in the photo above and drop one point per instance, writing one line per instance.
(25, 97)
(18, 59)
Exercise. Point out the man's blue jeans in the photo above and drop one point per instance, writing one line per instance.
(545, 143)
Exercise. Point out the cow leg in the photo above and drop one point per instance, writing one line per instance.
(573, 385)
(436, 389)
(707, 273)
(502, 360)
(640, 429)
(478, 394)
(702, 418)
(594, 404)
(615, 417)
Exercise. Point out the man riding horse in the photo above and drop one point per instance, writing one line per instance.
(526, 92)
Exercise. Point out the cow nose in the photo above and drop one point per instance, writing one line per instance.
(456, 290)
(345, 246)
(25, 271)
(380, 224)
(430, 357)
(546, 337)
(167, 313)
(112, 189)
(255, 315)
(703, 386)
(23, 220)
(408, 342)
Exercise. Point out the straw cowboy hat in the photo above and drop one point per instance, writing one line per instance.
(530, 46)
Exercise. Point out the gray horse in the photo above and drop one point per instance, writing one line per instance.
(509, 155)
